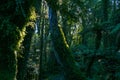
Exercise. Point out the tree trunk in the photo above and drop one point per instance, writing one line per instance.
(41, 52)
(62, 48)
(22, 61)
(105, 9)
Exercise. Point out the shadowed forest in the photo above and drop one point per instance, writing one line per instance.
(60, 40)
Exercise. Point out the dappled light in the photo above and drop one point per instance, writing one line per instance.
(60, 40)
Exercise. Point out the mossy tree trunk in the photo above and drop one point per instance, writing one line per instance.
(62, 48)
(12, 21)
(41, 51)
(105, 4)
(22, 61)
(9, 40)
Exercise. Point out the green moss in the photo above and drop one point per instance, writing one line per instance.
(12, 31)
(66, 56)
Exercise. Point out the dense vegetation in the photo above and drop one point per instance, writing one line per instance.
(60, 40)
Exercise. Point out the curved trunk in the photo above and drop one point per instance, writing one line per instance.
(12, 21)
(62, 48)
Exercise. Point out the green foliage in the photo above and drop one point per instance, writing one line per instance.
(115, 17)
(106, 62)
(94, 50)
(116, 29)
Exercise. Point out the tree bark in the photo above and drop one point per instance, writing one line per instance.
(62, 48)
(22, 61)
(41, 51)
